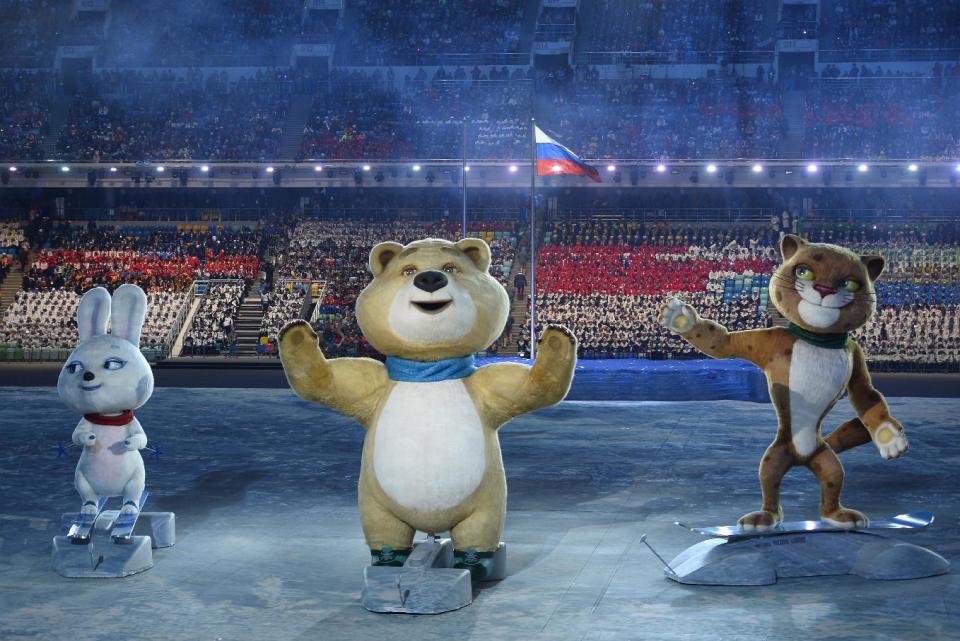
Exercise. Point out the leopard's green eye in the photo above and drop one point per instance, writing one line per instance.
(804, 273)
(850, 285)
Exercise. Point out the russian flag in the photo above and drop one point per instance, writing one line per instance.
(555, 159)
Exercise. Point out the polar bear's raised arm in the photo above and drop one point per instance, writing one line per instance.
(351, 386)
(507, 390)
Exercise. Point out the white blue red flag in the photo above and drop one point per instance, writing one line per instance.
(554, 159)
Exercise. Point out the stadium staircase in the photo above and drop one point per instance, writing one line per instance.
(290, 142)
(58, 118)
(247, 323)
(518, 311)
(793, 109)
(10, 286)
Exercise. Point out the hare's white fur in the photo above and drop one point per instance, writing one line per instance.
(107, 374)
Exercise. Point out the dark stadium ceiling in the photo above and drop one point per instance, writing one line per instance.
(489, 174)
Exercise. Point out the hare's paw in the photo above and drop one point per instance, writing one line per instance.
(129, 507)
(677, 316)
(891, 441)
(84, 438)
(846, 518)
(296, 333)
(89, 509)
(759, 520)
(557, 338)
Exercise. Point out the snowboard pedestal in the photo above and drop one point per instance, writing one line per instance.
(101, 556)
(427, 583)
(761, 560)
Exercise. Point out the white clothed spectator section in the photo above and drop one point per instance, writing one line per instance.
(49, 319)
(212, 328)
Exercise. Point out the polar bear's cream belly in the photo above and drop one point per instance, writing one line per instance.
(429, 453)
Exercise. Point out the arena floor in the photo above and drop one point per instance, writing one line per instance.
(269, 542)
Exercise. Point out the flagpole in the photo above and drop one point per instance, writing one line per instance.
(463, 174)
(533, 239)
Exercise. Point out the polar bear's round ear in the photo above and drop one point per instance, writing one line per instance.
(476, 250)
(381, 255)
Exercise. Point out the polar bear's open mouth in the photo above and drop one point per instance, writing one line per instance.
(433, 306)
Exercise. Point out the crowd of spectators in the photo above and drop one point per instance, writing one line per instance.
(25, 99)
(161, 117)
(400, 31)
(212, 327)
(898, 118)
(178, 33)
(892, 24)
(678, 28)
(48, 319)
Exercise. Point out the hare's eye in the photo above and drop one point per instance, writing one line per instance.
(74, 367)
(113, 363)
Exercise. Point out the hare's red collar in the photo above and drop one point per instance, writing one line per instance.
(116, 421)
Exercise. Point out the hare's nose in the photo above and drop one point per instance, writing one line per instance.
(88, 376)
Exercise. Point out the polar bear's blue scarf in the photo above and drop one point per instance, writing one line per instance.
(407, 371)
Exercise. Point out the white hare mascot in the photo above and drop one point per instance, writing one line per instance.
(105, 379)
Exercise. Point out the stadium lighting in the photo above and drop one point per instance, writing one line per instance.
(611, 168)
(711, 169)
(812, 168)
(318, 168)
(64, 169)
(269, 170)
(555, 168)
(757, 168)
(466, 168)
(912, 166)
(416, 167)
(13, 170)
(113, 170)
(160, 169)
(957, 169)
(661, 168)
(204, 168)
(513, 169)
(366, 167)
(862, 168)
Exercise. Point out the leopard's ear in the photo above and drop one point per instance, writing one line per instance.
(874, 265)
(789, 245)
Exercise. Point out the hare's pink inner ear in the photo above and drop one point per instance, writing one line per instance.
(477, 251)
(381, 255)
(128, 313)
(93, 312)
(789, 245)
(874, 265)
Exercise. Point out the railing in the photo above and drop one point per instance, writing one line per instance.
(178, 322)
(651, 215)
(888, 55)
(321, 294)
(206, 215)
(673, 57)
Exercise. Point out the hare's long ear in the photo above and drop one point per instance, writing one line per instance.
(129, 312)
(93, 313)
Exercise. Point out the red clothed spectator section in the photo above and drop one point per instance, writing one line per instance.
(634, 271)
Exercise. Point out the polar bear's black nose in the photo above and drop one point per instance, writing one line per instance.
(430, 281)
(88, 376)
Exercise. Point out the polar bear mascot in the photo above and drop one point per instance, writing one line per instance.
(431, 456)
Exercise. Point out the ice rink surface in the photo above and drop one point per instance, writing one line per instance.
(269, 545)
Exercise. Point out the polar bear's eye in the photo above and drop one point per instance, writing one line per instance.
(74, 367)
(450, 268)
(409, 271)
(113, 363)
